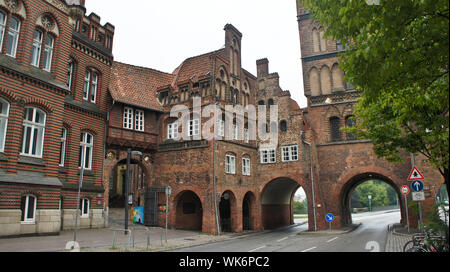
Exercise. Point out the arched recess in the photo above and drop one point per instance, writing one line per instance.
(227, 206)
(350, 186)
(314, 82)
(338, 78)
(189, 211)
(249, 211)
(316, 40)
(325, 80)
(276, 203)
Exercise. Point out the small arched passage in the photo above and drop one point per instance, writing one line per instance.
(189, 211)
(276, 203)
(249, 211)
(349, 188)
(226, 207)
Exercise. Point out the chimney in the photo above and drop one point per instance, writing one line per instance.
(262, 67)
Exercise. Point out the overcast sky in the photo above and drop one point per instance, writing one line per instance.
(162, 34)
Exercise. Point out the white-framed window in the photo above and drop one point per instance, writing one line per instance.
(62, 150)
(235, 132)
(84, 207)
(246, 166)
(139, 120)
(221, 128)
(28, 205)
(86, 149)
(172, 131)
(128, 118)
(13, 37)
(194, 127)
(230, 164)
(87, 83)
(48, 52)
(246, 136)
(90, 86)
(4, 115)
(37, 45)
(3, 18)
(289, 153)
(33, 132)
(268, 155)
(70, 73)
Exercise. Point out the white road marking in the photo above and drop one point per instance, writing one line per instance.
(309, 249)
(258, 248)
(282, 239)
(331, 240)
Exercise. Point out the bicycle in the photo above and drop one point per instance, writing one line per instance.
(429, 243)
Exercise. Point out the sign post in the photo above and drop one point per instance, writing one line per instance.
(417, 187)
(330, 218)
(405, 192)
(168, 193)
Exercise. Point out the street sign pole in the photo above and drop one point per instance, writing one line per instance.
(406, 208)
(413, 162)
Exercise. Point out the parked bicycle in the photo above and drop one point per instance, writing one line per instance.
(427, 242)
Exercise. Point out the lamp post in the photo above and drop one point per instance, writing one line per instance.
(127, 181)
(370, 202)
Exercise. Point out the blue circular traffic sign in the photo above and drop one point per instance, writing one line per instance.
(329, 217)
(417, 186)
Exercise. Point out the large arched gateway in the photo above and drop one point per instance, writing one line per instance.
(189, 211)
(353, 183)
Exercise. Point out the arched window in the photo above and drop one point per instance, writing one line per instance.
(335, 129)
(350, 122)
(323, 41)
(86, 150)
(28, 205)
(261, 103)
(70, 72)
(270, 102)
(33, 132)
(62, 150)
(4, 115)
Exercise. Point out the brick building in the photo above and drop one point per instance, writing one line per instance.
(55, 66)
(64, 101)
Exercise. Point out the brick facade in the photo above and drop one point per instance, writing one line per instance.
(126, 107)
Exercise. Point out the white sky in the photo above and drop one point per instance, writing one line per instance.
(162, 34)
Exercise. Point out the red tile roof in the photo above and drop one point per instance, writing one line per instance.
(137, 86)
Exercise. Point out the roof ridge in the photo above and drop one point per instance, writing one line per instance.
(142, 67)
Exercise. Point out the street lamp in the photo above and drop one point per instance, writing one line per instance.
(127, 181)
(370, 202)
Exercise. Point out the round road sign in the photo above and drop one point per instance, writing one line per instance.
(405, 190)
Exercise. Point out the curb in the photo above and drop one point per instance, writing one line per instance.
(325, 232)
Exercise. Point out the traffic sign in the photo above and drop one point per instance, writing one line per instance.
(417, 186)
(405, 190)
(329, 217)
(418, 196)
(415, 175)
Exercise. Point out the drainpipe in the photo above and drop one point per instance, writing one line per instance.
(302, 135)
(216, 213)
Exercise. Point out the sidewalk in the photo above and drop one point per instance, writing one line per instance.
(397, 237)
(102, 240)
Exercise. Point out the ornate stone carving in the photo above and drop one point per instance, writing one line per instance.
(12, 4)
(47, 22)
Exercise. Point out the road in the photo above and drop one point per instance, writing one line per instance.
(369, 236)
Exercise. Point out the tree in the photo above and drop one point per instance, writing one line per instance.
(397, 54)
(377, 191)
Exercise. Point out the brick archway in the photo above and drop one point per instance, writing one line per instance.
(276, 202)
(353, 182)
(189, 211)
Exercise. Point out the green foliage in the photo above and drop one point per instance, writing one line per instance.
(300, 207)
(398, 57)
(377, 190)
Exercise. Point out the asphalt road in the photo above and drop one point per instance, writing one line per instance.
(369, 236)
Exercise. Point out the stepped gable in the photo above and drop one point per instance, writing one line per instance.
(137, 86)
(196, 68)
